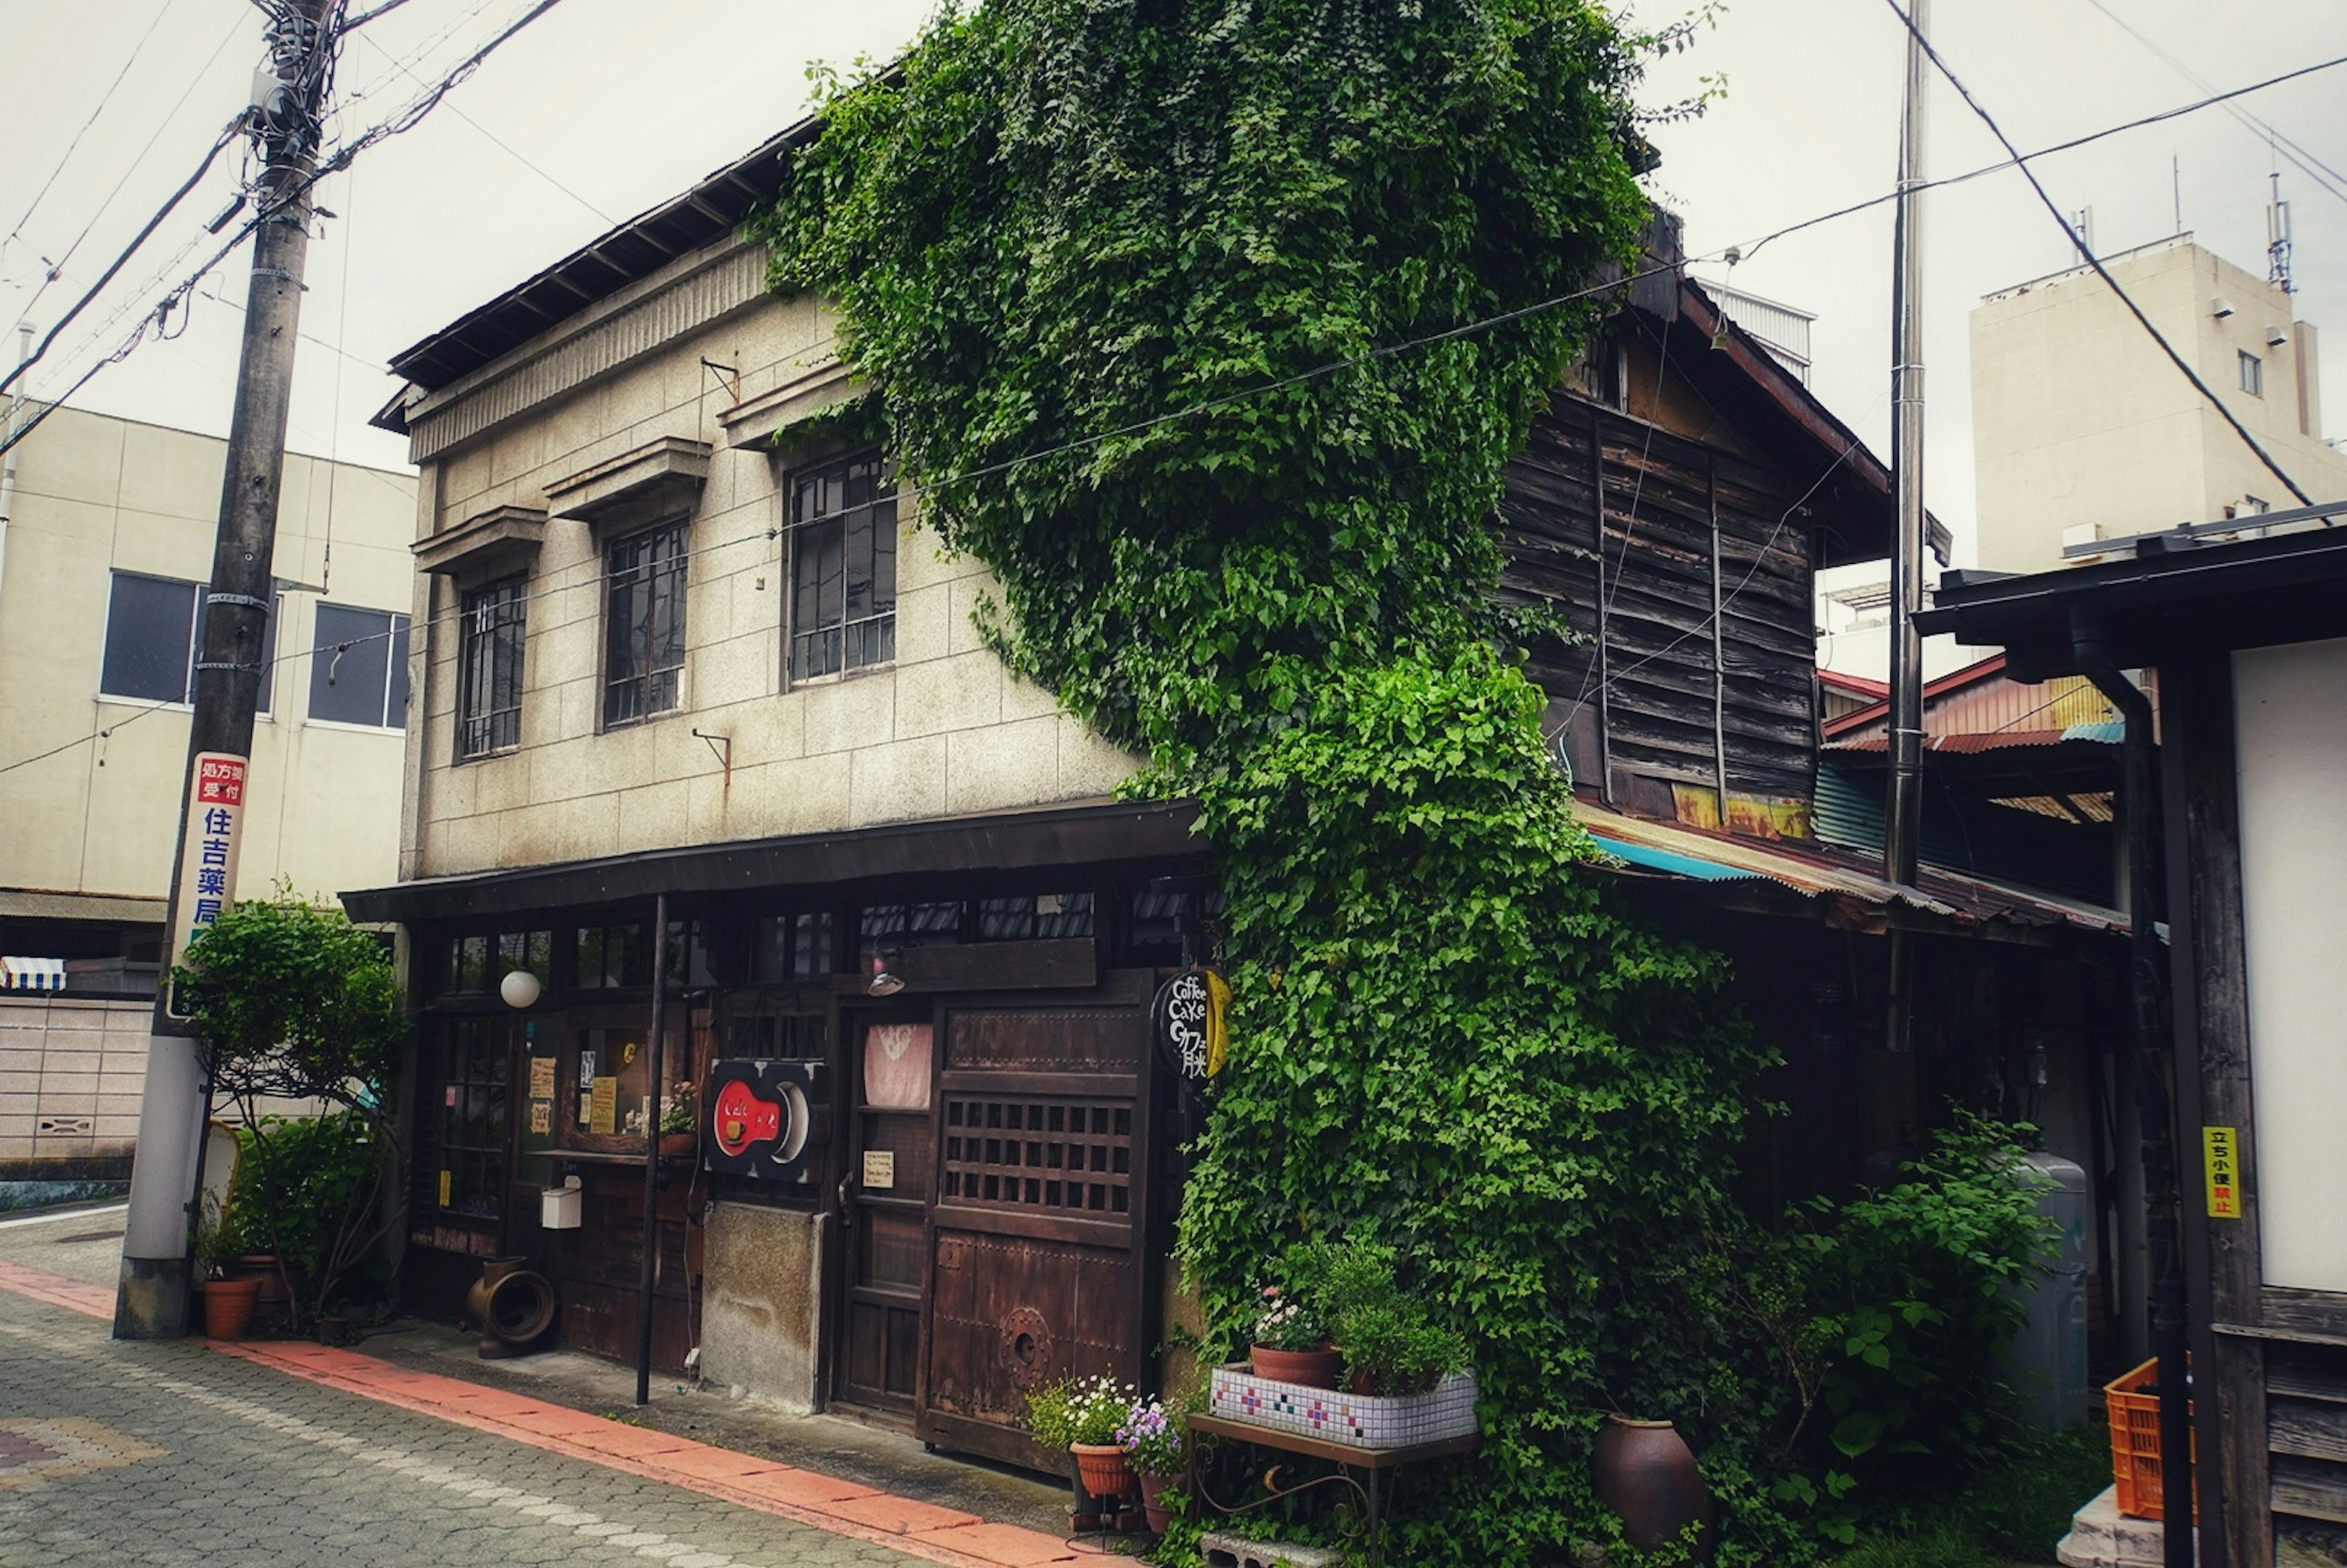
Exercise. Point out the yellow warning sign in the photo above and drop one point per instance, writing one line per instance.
(2223, 1154)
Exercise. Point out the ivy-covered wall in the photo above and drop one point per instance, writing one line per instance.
(1099, 259)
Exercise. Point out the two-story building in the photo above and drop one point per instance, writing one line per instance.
(685, 644)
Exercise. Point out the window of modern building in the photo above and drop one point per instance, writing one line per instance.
(644, 641)
(154, 626)
(843, 601)
(2253, 374)
(358, 667)
(488, 717)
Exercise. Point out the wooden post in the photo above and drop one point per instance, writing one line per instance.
(650, 1272)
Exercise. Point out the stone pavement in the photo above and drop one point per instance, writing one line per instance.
(276, 1452)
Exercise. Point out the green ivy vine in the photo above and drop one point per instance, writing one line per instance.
(1090, 255)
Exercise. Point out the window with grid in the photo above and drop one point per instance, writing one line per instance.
(154, 629)
(1074, 1156)
(644, 640)
(473, 1120)
(843, 569)
(488, 716)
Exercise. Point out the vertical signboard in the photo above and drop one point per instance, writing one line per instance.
(207, 856)
(2224, 1172)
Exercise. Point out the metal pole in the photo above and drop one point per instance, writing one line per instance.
(1901, 817)
(651, 1156)
(151, 1299)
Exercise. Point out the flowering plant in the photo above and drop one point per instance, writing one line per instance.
(1068, 1412)
(1152, 1438)
(1287, 1323)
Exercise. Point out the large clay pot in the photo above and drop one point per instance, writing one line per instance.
(1647, 1474)
(1153, 1489)
(513, 1305)
(1311, 1369)
(276, 1276)
(1106, 1471)
(228, 1307)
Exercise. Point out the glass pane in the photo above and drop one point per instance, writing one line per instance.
(150, 624)
(811, 946)
(896, 1066)
(350, 665)
(589, 957)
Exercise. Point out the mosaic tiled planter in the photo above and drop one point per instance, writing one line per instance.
(1357, 1420)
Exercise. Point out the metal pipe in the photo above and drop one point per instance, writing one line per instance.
(1901, 824)
(1718, 642)
(2163, 1214)
(651, 1269)
(8, 460)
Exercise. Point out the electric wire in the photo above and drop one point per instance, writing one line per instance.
(53, 270)
(2016, 159)
(2325, 177)
(2086, 251)
(72, 146)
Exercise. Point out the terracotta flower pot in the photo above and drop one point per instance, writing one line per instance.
(1153, 1489)
(1105, 1470)
(228, 1307)
(679, 1143)
(1311, 1369)
(1647, 1474)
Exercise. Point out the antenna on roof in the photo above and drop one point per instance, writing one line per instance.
(2278, 239)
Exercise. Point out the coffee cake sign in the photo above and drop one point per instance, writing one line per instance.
(1188, 1022)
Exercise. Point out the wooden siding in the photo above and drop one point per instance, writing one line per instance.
(1669, 688)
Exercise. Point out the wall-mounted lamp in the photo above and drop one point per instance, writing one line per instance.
(885, 982)
(519, 988)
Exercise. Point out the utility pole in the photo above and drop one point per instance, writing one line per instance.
(1900, 821)
(151, 1301)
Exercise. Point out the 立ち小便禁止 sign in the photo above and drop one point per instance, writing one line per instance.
(215, 810)
(2223, 1154)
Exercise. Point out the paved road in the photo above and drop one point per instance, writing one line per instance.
(131, 1455)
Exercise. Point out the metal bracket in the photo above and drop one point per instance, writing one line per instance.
(244, 598)
(229, 664)
(280, 273)
(722, 748)
(730, 375)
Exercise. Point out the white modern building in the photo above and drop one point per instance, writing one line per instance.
(102, 562)
(2083, 429)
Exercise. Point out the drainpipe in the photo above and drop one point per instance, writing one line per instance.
(8, 460)
(2163, 1230)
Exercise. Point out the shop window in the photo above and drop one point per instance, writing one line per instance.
(1153, 935)
(795, 1039)
(843, 603)
(892, 927)
(613, 956)
(688, 955)
(611, 1084)
(480, 962)
(1035, 916)
(358, 668)
(473, 1109)
(792, 948)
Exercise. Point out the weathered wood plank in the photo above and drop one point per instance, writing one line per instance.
(2311, 1429)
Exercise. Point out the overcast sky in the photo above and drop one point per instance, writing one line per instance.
(606, 107)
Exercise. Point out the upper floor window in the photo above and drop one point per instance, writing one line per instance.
(843, 569)
(488, 687)
(2253, 374)
(644, 640)
(358, 667)
(154, 627)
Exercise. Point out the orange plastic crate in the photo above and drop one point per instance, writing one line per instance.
(2134, 1442)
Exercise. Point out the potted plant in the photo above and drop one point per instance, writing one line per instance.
(1085, 1418)
(228, 1303)
(1391, 1345)
(680, 1128)
(1152, 1440)
(1290, 1342)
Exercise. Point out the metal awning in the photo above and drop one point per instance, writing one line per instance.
(1757, 874)
(31, 974)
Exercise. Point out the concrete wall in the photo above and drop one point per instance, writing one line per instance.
(944, 731)
(97, 495)
(70, 1075)
(2080, 421)
(762, 1304)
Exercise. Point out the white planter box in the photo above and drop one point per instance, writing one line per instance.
(1357, 1420)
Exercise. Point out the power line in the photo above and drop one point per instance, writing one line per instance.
(2086, 251)
(54, 268)
(2325, 177)
(104, 100)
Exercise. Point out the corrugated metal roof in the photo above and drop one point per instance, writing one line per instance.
(1638, 845)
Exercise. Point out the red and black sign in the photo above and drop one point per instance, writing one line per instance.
(763, 1119)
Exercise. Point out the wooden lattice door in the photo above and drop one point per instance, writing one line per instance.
(1039, 1266)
